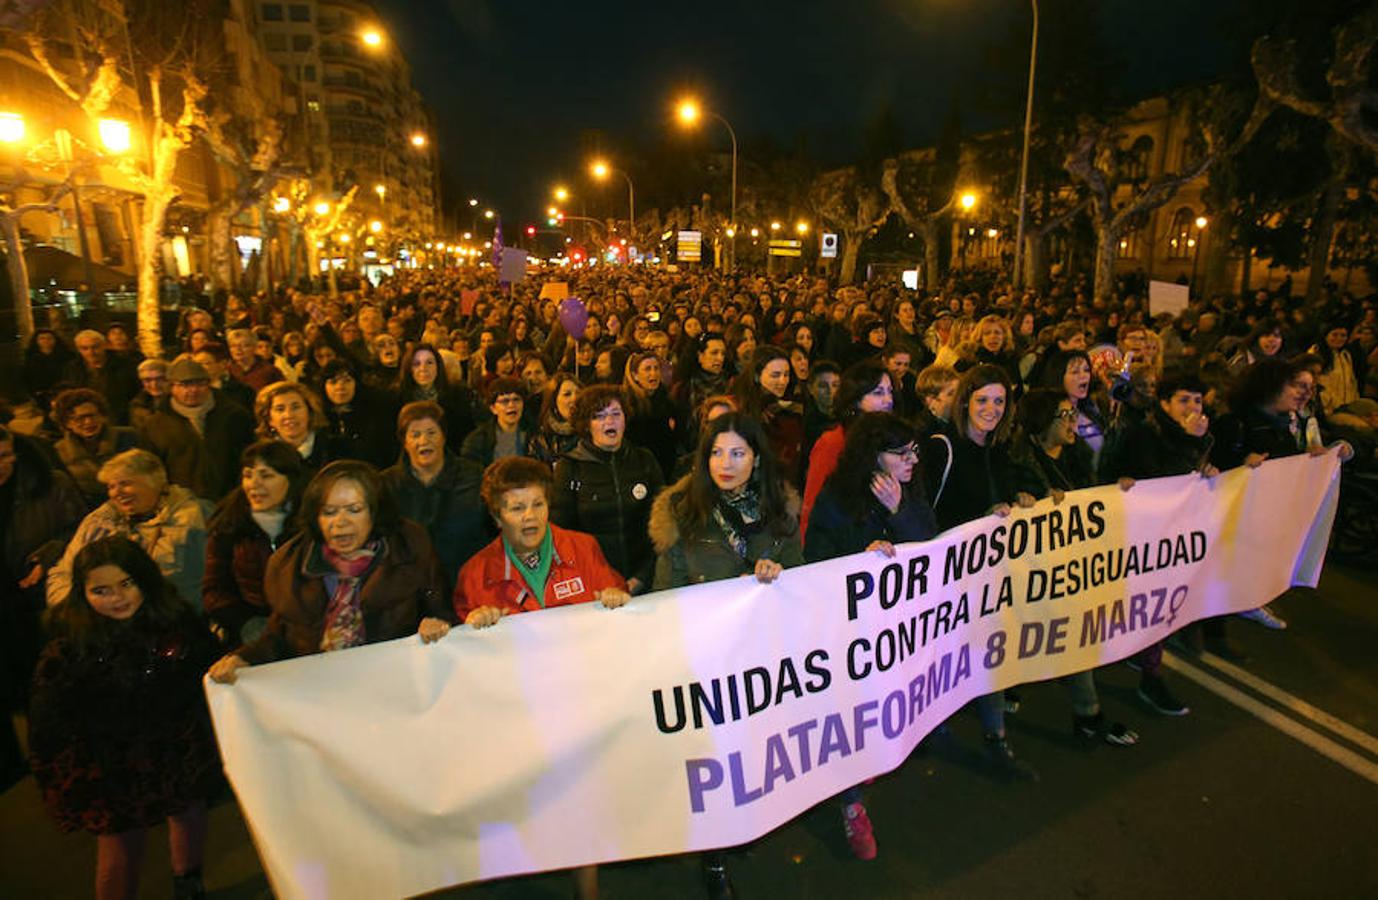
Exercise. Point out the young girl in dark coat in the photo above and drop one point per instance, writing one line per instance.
(119, 734)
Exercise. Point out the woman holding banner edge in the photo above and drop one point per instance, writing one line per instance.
(732, 515)
(870, 502)
(975, 477)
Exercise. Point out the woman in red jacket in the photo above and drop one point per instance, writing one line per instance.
(532, 564)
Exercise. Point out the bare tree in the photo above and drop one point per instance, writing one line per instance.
(1120, 199)
(924, 193)
(1351, 106)
(10, 224)
(845, 200)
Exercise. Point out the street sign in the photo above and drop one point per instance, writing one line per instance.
(829, 249)
(786, 247)
(689, 247)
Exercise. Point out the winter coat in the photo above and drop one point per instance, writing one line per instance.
(1073, 469)
(1154, 447)
(83, 463)
(695, 554)
(834, 532)
(651, 428)
(117, 381)
(120, 738)
(403, 587)
(449, 508)
(367, 428)
(207, 464)
(237, 554)
(980, 477)
(1254, 431)
(577, 573)
(609, 495)
(548, 445)
(483, 441)
(39, 510)
(174, 536)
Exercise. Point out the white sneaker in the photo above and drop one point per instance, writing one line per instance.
(1265, 617)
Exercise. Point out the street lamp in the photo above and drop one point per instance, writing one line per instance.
(488, 214)
(551, 212)
(375, 226)
(689, 113)
(601, 170)
(115, 135)
(473, 202)
(381, 190)
(561, 194)
(801, 228)
(418, 139)
(967, 200)
(372, 38)
(468, 235)
(755, 232)
(775, 226)
(1024, 159)
(11, 128)
(281, 205)
(322, 208)
(1201, 223)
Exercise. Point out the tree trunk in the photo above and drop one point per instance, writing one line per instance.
(1216, 274)
(1246, 269)
(932, 232)
(1035, 272)
(851, 249)
(267, 230)
(1107, 241)
(1322, 236)
(156, 202)
(222, 258)
(19, 277)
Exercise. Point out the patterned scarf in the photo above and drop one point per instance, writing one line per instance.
(344, 620)
(739, 517)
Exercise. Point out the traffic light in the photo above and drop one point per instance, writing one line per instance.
(560, 218)
(531, 231)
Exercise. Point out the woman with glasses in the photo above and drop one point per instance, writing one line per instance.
(871, 502)
(1058, 459)
(88, 439)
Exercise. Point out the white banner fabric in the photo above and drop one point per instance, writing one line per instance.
(706, 716)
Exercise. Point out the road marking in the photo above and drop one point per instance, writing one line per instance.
(1295, 704)
(1288, 726)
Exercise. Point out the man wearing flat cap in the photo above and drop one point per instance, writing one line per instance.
(198, 432)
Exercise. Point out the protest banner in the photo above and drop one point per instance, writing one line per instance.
(1167, 297)
(706, 716)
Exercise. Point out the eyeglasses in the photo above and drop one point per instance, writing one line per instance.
(508, 400)
(909, 451)
(1068, 414)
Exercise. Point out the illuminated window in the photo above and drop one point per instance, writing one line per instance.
(1181, 236)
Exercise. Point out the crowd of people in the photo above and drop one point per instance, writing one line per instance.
(300, 473)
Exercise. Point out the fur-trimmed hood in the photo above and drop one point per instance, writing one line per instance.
(665, 527)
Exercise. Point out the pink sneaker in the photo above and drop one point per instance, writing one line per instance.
(860, 837)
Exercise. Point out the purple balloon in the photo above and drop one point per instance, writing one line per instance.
(574, 316)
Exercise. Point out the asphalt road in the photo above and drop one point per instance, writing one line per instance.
(1270, 791)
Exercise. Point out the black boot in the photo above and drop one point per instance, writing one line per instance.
(1002, 758)
(717, 884)
(188, 886)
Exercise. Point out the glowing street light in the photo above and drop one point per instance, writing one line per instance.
(992, 233)
(968, 200)
(1202, 222)
(375, 226)
(343, 237)
(468, 236)
(551, 211)
(731, 232)
(473, 202)
(322, 208)
(115, 135)
(775, 226)
(561, 194)
(488, 214)
(755, 232)
(11, 128)
(281, 205)
(372, 38)
(418, 139)
(381, 190)
(688, 111)
(600, 170)
(801, 228)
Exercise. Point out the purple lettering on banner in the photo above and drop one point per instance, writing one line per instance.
(777, 763)
(893, 709)
(800, 733)
(834, 739)
(861, 721)
(740, 795)
(704, 775)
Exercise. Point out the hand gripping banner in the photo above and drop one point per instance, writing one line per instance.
(706, 716)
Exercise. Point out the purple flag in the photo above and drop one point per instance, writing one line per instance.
(497, 248)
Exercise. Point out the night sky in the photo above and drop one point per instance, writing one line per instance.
(516, 87)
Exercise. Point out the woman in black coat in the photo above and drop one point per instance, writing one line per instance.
(606, 485)
(44, 360)
(360, 418)
(119, 734)
(872, 501)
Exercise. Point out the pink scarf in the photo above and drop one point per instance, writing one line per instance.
(344, 621)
